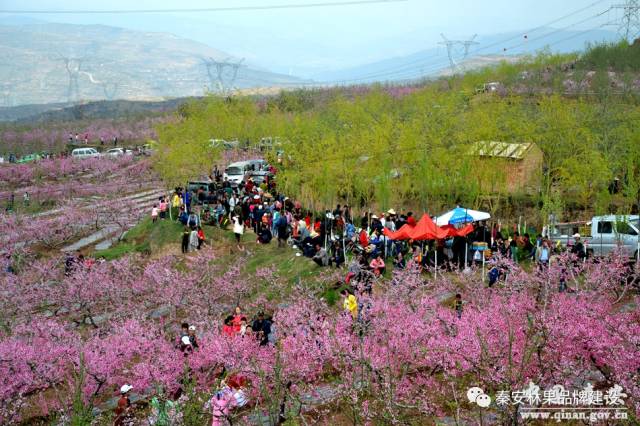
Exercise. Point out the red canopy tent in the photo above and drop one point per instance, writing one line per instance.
(426, 229)
(400, 234)
(452, 231)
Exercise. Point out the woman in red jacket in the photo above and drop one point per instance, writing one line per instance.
(237, 319)
(227, 328)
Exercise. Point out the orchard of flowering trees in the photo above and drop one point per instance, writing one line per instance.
(407, 356)
(52, 137)
(68, 198)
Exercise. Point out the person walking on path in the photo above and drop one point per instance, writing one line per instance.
(238, 230)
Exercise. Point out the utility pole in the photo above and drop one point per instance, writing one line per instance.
(629, 27)
(222, 74)
(457, 48)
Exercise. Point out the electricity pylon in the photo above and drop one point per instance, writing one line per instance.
(453, 51)
(109, 90)
(629, 26)
(222, 74)
(73, 67)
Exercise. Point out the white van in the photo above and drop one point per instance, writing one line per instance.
(85, 153)
(235, 172)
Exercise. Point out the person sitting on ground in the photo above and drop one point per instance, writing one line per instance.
(354, 269)
(262, 328)
(184, 329)
(303, 232)
(192, 336)
(377, 265)
(398, 260)
(228, 329)
(264, 234)
(245, 328)
(237, 319)
(363, 238)
(321, 257)
(185, 345)
(337, 254)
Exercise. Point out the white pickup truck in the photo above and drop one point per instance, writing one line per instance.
(606, 234)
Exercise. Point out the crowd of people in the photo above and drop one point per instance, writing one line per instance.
(329, 237)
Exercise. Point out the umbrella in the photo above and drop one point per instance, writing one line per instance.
(461, 215)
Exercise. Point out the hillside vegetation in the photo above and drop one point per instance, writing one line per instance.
(388, 146)
(617, 56)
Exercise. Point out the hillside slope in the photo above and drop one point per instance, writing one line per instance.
(107, 62)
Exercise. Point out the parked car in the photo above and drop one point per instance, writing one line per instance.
(236, 172)
(29, 158)
(269, 143)
(603, 235)
(117, 152)
(208, 187)
(224, 144)
(85, 153)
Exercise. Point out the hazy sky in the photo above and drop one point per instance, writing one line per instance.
(329, 37)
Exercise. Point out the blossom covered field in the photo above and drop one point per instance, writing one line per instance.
(70, 338)
(52, 137)
(79, 336)
(68, 199)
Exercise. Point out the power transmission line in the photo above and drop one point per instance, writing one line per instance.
(629, 27)
(423, 61)
(597, 15)
(409, 69)
(198, 10)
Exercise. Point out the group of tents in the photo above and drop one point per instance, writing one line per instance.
(455, 223)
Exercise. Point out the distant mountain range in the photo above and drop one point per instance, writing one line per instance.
(53, 63)
(489, 49)
(66, 112)
(69, 63)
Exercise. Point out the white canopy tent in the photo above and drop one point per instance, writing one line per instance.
(461, 215)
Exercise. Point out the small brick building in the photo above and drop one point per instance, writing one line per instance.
(519, 165)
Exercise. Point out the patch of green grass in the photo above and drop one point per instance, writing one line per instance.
(146, 237)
